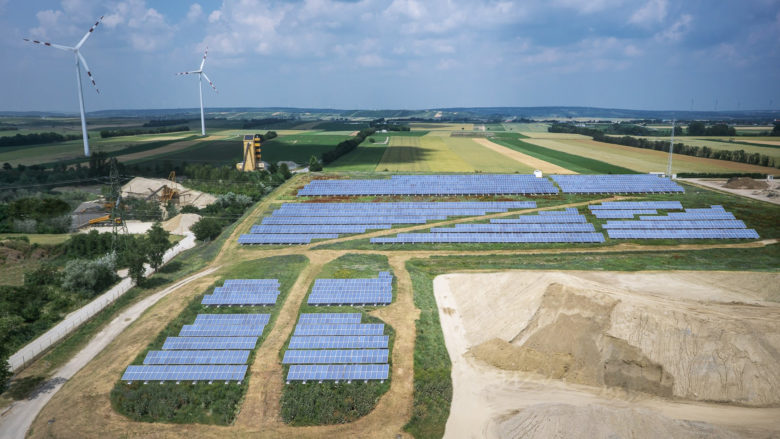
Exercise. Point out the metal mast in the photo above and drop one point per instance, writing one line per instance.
(671, 150)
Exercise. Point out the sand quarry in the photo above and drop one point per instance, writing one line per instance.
(573, 354)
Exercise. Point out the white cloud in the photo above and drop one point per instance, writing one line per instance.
(676, 31)
(370, 60)
(587, 6)
(654, 11)
(215, 16)
(195, 12)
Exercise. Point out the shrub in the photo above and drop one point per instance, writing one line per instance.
(207, 229)
(89, 277)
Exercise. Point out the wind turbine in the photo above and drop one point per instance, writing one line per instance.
(201, 74)
(79, 60)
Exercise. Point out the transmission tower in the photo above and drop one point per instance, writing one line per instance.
(115, 198)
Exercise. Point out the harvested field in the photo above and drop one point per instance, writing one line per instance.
(771, 149)
(167, 149)
(527, 160)
(640, 160)
(540, 354)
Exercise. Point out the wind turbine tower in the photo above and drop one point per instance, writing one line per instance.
(201, 74)
(79, 60)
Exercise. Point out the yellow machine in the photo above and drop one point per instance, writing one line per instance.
(252, 159)
(104, 220)
(169, 193)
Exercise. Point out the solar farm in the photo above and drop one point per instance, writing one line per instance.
(351, 341)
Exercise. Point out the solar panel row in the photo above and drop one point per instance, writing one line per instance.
(340, 329)
(433, 185)
(348, 372)
(509, 228)
(628, 205)
(292, 238)
(717, 224)
(373, 291)
(217, 330)
(606, 214)
(418, 238)
(339, 342)
(707, 223)
(335, 356)
(610, 184)
(184, 373)
(232, 319)
(197, 357)
(188, 343)
(311, 318)
(684, 234)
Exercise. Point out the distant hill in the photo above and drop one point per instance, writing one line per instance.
(482, 113)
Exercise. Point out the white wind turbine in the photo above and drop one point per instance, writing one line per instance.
(201, 74)
(79, 60)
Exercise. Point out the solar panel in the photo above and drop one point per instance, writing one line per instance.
(187, 343)
(610, 184)
(248, 299)
(329, 318)
(684, 234)
(300, 372)
(221, 331)
(470, 184)
(339, 342)
(197, 357)
(339, 356)
(185, 373)
(629, 205)
(232, 319)
(340, 329)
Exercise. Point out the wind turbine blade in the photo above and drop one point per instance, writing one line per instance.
(204, 58)
(210, 83)
(89, 32)
(46, 43)
(188, 73)
(89, 73)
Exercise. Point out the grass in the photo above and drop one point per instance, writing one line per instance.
(215, 152)
(332, 403)
(576, 163)
(41, 239)
(299, 147)
(203, 402)
(365, 157)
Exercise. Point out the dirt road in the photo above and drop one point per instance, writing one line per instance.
(546, 167)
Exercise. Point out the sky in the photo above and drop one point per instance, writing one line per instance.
(394, 54)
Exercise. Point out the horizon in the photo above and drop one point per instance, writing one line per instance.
(640, 55)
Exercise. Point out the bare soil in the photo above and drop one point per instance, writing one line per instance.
(546, 167)
(540, 354)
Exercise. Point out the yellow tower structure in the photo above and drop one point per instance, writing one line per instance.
(252, 159)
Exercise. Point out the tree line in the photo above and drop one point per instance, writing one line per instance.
(165, 122)
(36, 138)
(662, 145)
(347, 145)
(134, 132)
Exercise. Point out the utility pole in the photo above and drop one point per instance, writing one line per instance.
(115, 197)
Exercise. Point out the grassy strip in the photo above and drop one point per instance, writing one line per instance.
(432, 366)
(136, 147)
(579, 164)
(204, 403)
(742, 142)
(329, 402)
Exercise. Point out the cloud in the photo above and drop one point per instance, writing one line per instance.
(143, 27)
(676, 31)
(370, 60)
(587, 6)
(195, 12)
(654, 11)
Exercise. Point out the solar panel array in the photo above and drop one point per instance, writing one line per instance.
(244, 292)
(300, 223)
(615, 184)
(545, 227)
(605, 214)
(215, 347)
(473, 184)
(709, 223)
(372, 291)
(621, 205)
(336, 347)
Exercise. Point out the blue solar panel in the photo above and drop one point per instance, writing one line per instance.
(339, 342)
(232, 319)
(470, 184)
(255, 282)
(336, 356)
(197, 357)
(284, 238)
(479, 238)
(630, 205)
(541, 219)
(330, 318)
(187, 343)
(605, 214)
(683, 234)
(717, 224)
(347, 372)
(340, 329)
(240, 299)
(185, 373)
(221, 331)
(510, 228)
(611, 184)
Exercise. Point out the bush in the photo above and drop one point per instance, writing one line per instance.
(25, 226)
(207, 229)
(314, 164)
(189, 209)
(89, 277)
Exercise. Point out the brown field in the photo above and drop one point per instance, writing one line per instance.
(527, 160)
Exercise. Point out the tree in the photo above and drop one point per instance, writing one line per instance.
(207, 229)
(284, 170)
(5, 373)
(776, 129)
(157, 244)
(136, 258)
(89, 277)
(314, 164)
(697, 128)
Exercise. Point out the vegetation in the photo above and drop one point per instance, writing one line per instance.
(699, 128)
(224, 211)
(89, 278)
(36, 139)
(202, 402)
(165, 122)
(347, 145)
(35, 215)
(314, 164)
(332, 403)
(739, 156)
(134, 132)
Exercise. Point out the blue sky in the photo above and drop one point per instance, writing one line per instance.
(374, 54)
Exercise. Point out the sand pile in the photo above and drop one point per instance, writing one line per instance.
(745, 183)
(181, 223)
(141, 187)
(569, 421)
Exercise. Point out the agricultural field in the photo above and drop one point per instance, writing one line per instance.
(763, 145)
(636, 159)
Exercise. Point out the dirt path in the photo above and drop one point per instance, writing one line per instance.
(546, 167)
(18, 419)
